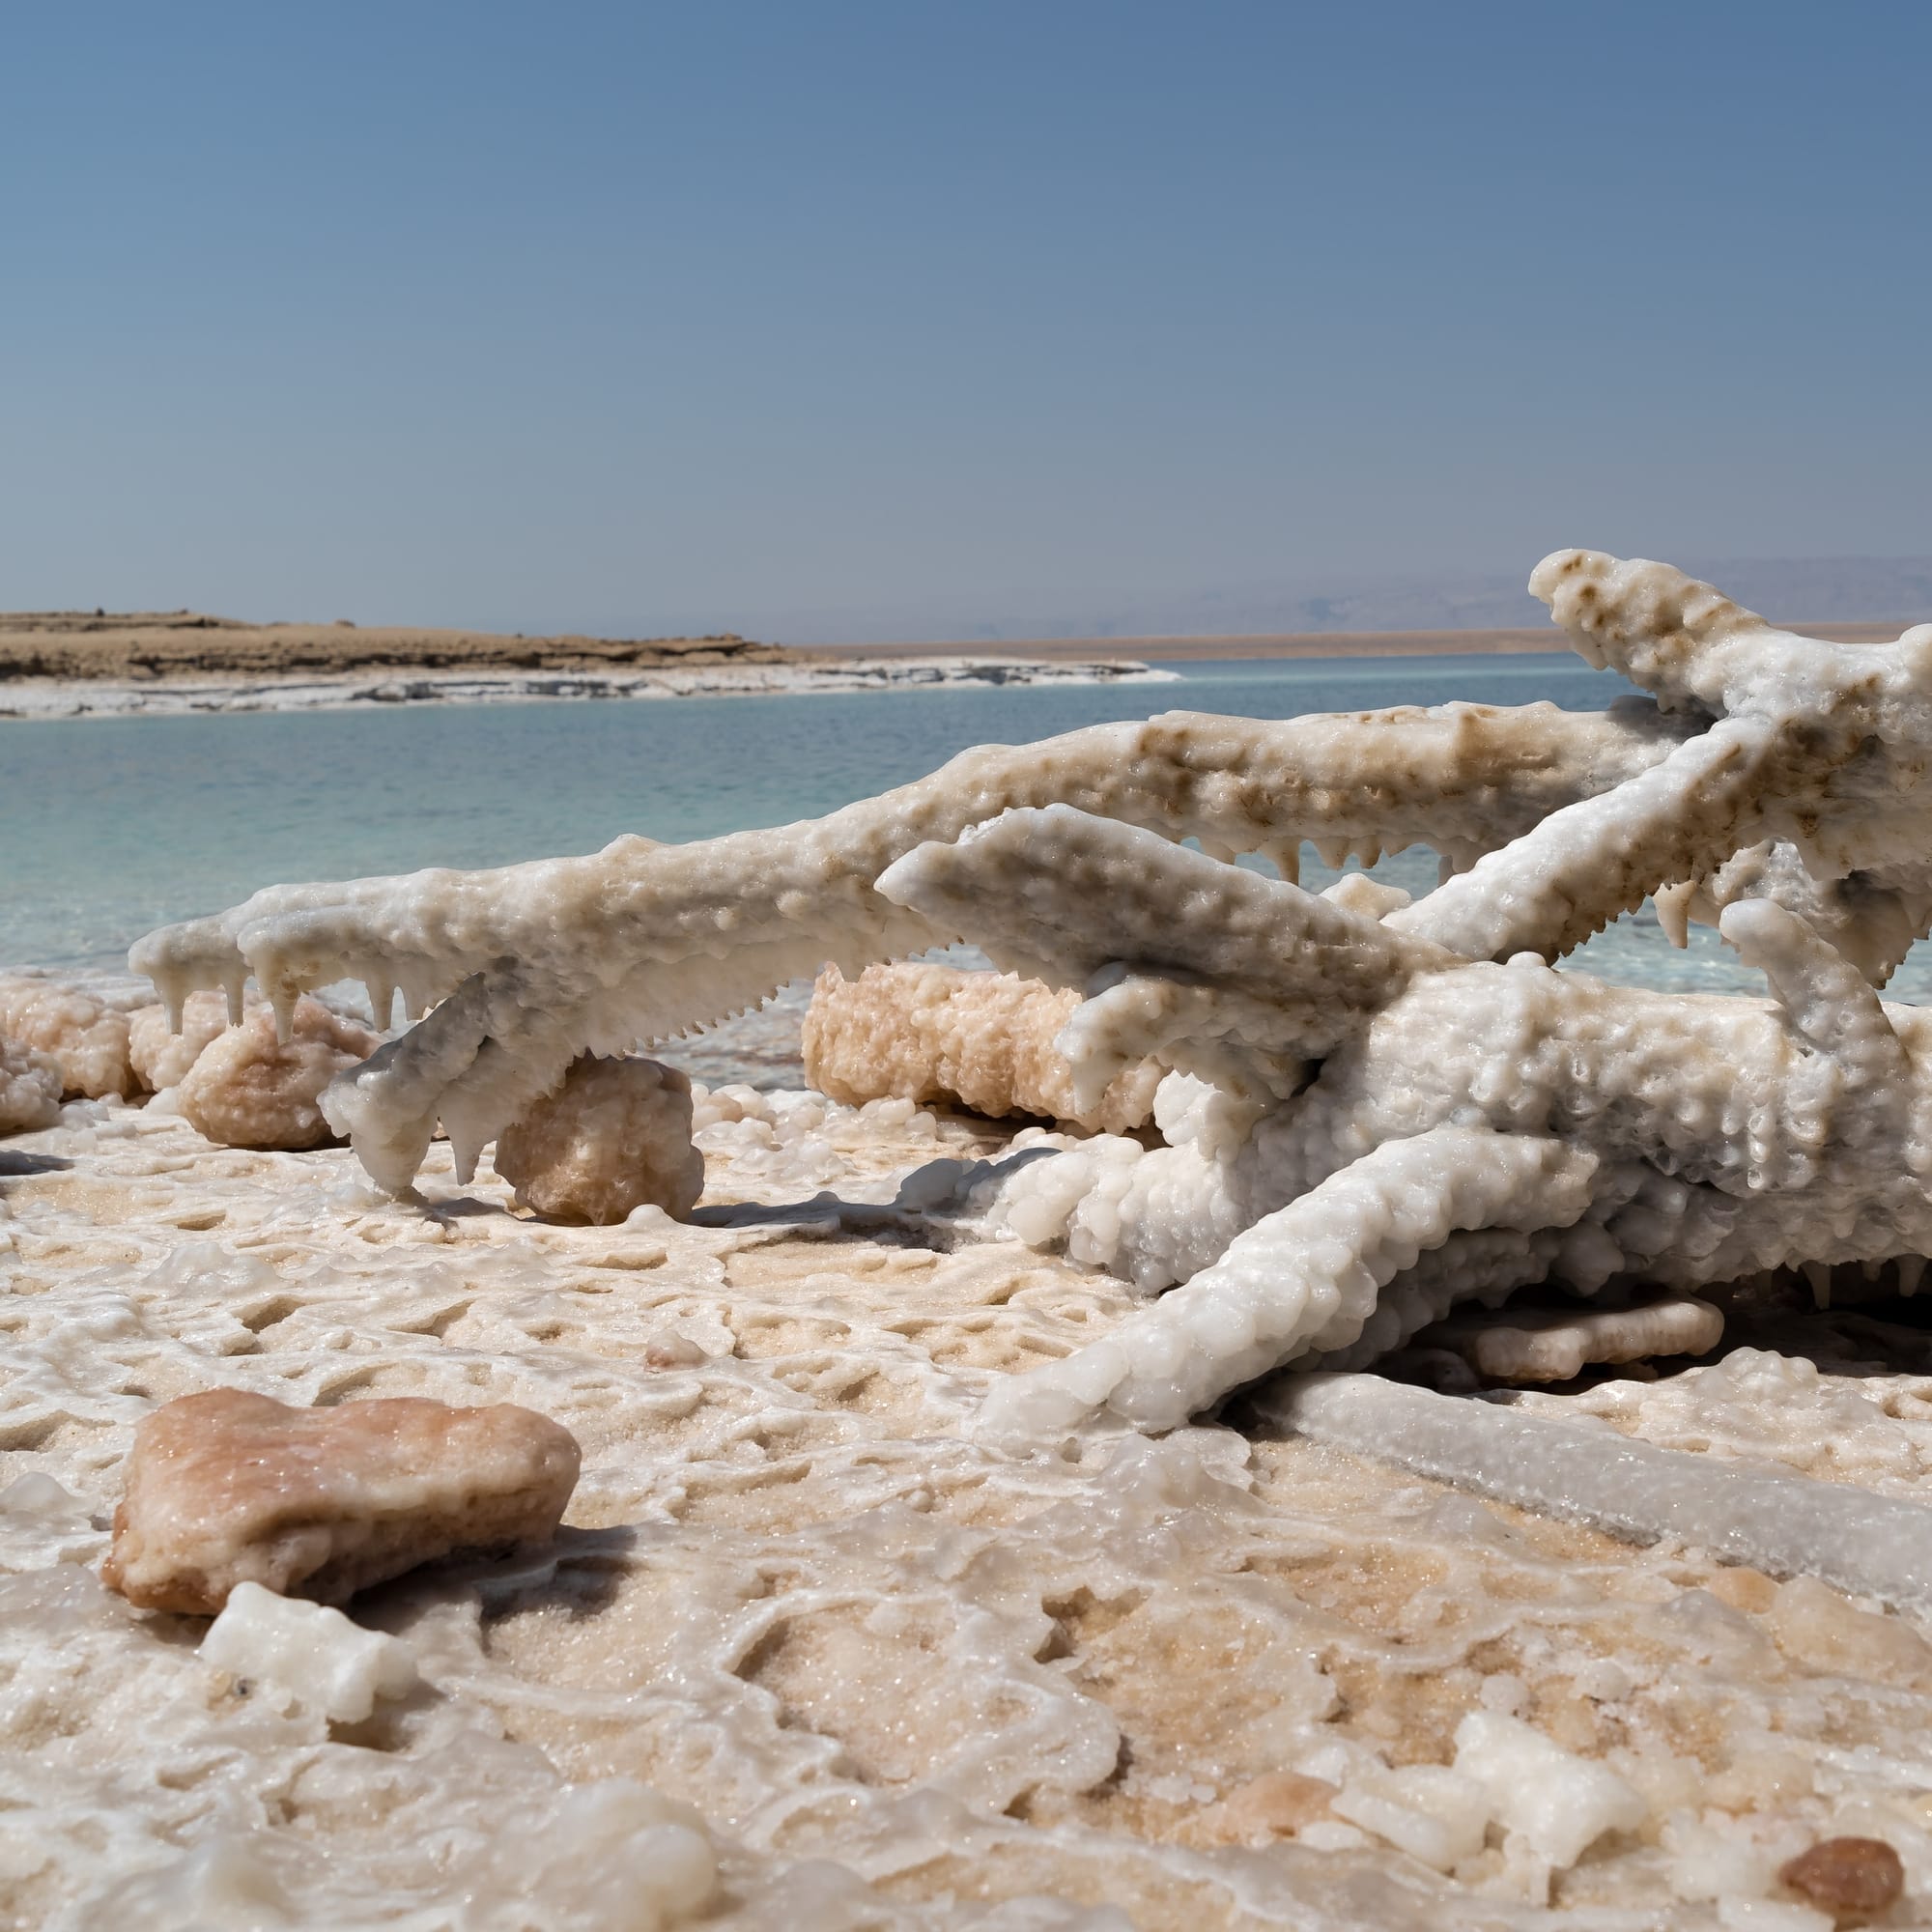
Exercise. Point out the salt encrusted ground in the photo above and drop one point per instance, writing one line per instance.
(31, 697)
(904, 1682)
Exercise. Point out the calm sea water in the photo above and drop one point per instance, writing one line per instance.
(112, 826)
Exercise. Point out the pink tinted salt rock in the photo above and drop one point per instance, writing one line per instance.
(226, 1487)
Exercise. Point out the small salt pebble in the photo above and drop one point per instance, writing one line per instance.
(1854, 1879)
(37, 1494)
(328, 1663)
(1503, 1691)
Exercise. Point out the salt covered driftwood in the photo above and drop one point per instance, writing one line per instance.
(1376, 1109)
(228, 1487)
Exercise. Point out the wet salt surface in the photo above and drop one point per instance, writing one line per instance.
(897, 1678)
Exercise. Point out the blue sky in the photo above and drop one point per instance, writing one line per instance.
(634, 317)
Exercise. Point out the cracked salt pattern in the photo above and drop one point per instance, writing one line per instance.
(900, 1678)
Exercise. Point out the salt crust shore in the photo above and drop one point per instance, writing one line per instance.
(897, 1678)
(62, 697)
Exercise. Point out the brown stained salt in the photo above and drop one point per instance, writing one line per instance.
(228, 1487)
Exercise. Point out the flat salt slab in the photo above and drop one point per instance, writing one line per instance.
(228, 1487)
(330, 1665)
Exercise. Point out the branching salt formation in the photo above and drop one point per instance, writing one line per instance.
(535, 964)
(1375, 1110)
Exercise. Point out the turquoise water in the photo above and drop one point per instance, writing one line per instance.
(112, 826)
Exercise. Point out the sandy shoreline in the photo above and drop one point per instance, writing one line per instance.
(101, 664)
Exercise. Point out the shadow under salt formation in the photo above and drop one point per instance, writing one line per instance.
(934, 1185)
(16, 1165)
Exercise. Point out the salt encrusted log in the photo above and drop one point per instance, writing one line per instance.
(537, 963)
(1346, 1043)
(86, 1038)
(246, 1087)
(614, 1136)
(227, 1488)
(1786, 1525)
(31, 1084)
(921, 1031)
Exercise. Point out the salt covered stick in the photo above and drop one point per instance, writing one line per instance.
(1786, 1525)
(1305, 1277)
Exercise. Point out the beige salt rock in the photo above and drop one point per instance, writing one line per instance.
(228, 1487)
(917, 1030)
(83, 1035)
(161, 1058)
(31, 1084)
(1556, 1345)
(249, 1089)
(613, 1137)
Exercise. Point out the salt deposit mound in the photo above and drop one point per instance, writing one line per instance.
(249, 1089)
(84, 1036)
(159, 1055)
(30, 1087)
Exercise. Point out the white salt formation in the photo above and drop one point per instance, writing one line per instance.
(329, 1664)
(230, 1488)
(1548, 1346)
(919, 1031)
(250, 1088)
(614, 1137)
(1375, 1110)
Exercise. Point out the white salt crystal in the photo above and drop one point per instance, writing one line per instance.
(1560, 1803)
(332, 1665)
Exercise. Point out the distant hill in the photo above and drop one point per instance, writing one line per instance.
(1796, 591)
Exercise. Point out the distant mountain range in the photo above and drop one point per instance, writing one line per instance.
(1790, 590)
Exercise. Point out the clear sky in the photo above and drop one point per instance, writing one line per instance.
(639, 317)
